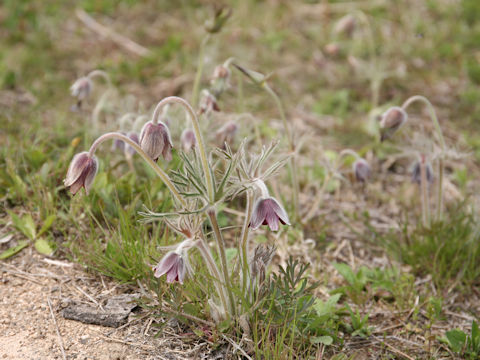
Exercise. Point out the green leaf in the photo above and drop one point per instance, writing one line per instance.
(456, 339)
(346, 272)
(47, 224)
(13, 250)
(43, 247)
(26, 224)
(325, 340)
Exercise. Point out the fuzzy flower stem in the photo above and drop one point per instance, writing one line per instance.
(262, 187)
(441, 165)
(292, 160)
(198, 75)
(221, 250)
(161, 174)
(424, 190)
(244, 239)
(102, 74)
(198, 135)
(212, 267)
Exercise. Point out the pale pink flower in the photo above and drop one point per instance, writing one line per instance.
(155, 140)
(361, 170)
(81, 172)
(268, 211)
(173, 265)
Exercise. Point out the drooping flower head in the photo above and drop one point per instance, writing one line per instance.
(188, 140)
(268, 211)
(81, 88)
(361, 169)
(220, 79)
(173, 265)
(81, 172)
(392, 120)
(118, 145)
(417, 171)
(155, 140)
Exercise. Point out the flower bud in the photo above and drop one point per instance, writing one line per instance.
(345, 25)
(220, 80)
(361, 170)
(256, 77)
(392, 120)
(188, 140)
(208, 103)
(226, 133)
(81, 172)
(417, 171)
(220, 18)
(268, 211)
(155, 141)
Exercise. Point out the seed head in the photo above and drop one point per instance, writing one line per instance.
(155, 140)
(188, 140)
(361, 170)
(173, 265)
(392, 120)
(268, 211)
(81, 172)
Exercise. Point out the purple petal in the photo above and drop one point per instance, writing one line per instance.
(76, 167)
(280, 211)
(181, 270)
(258, 216)
(272, 220)
(166, 263)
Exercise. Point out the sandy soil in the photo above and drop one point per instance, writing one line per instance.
(28, 330)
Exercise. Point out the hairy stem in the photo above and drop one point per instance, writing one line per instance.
(214, 272)
(198, 76)
(292, 161)
(244, 240)
(198, 135)
(221, 251)
(441, 165)
(424, 190)
(161, 174)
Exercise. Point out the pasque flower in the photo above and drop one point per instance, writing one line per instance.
(81, 172)
(155, 140)
(226, 133)
(361, 170)
(173, 265)
(81, 88)
(392, 120)
(268, 211)
(188, 140)
(208, 102)
(134, 137)
(417, 172)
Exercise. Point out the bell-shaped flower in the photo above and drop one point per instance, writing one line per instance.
(417, 172)
(361, 169)
(392, 120)
(173, 265)
(81, 172)
(188, 140)
(155, 140)
(268, 211)
(118, 145)
(81, 88)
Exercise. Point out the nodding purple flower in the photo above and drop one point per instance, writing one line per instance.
(118, 144)
(361, 170)
(226, 133)
(208, 103)
(173, 265)
(392, 120)
(81, 88)
(81, 172)
(155, 140)
(268, 211)
(134, 137)
(417, 172)
(188, 140)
